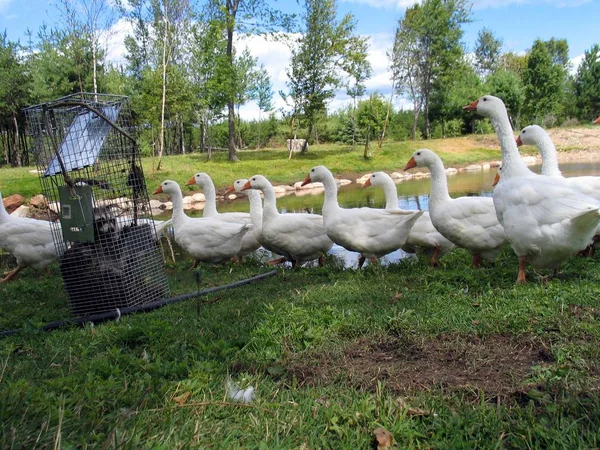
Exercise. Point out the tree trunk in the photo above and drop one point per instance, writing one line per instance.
(426, 113)
(305, 146)
(387, 117)
(17, 156)
(231, 6)
(415, 122)
(161, 136)
(258, 138)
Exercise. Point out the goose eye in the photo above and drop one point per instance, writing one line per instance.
(418, 153)
(312, 170)
(485, 99)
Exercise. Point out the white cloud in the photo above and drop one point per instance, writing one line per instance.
(386, 4)
(113, 41)
(575, 63)
(4, 5)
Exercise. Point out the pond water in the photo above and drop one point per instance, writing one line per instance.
(412, 194)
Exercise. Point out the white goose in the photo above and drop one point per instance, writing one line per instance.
(249, 242)
(423, 237)
(205, 239)
(299, 237)
(536, 135)
(545, 220)
(588, 185)
(30, 241)
(371, 232)
(256, 214)
(468, 222)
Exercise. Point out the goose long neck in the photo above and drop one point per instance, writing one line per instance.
(549, 157)
(178, 213)
(330, 186)
(439, 182)
(255, 207)
(210, 195)
(391, 194)
(270, 205)
(512, 164)
(4, 216)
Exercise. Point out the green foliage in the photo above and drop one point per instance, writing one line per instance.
(487, 52)
(427, 48)
(587, 85)
(544, 80)
(327, 49)
(508, 86)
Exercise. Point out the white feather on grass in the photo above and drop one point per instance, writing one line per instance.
(235, 393)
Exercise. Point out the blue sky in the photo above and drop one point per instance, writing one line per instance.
(517, 22)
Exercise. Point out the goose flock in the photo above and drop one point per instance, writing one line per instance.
(545, 218)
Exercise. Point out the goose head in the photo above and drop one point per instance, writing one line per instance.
(317, 173)
(421, 158)
(497, 177)
(237, 186)
(169, 187)
(530, 135)
(487, 106)
(256, 182)
(201, 179)
(376, 179)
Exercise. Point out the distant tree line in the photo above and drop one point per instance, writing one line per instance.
(187, 74)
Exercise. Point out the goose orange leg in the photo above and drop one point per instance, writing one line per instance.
(476, 261)
(10, 275)
(273, 262)
(435, 258)
(521, 277)
(321, 261)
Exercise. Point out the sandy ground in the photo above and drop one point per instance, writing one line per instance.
(571, 143)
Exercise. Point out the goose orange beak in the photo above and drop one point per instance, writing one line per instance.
(306, 181)
(410, 164)
(158, 190)
(496, 179)
(191, 181)
(229, 190)
(471, 106)
(519, 141)
(247, 186)
(597, 121)
(367, 183)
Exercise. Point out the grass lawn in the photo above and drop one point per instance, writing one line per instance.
(274, 163)
(442, 358)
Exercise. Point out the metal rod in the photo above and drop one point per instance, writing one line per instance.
(116, 313)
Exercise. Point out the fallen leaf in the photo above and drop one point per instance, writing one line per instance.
(383, 438)
(183, 398)
(411, 410)
(323, 401)
(476, 322)
(397, 296)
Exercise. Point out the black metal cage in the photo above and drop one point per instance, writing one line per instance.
(91, 174)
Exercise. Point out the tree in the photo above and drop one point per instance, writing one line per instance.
(370, 119)
(513, 62)
(243, 17)
(360, 70)
(508, 86)
(264, 96)
(487, 52)
(428, 45)
(91, 17)
(587, 85)
(14, 85)
(326, 52)
(543, 81)
(169, 21)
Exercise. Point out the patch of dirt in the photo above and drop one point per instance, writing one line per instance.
(497, 364)
(571, 143)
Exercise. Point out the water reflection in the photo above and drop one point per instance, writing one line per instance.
(413, 193)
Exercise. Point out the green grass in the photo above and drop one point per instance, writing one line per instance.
(115, 385)
(274, 164)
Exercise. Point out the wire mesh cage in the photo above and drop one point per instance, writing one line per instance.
(91, 174)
